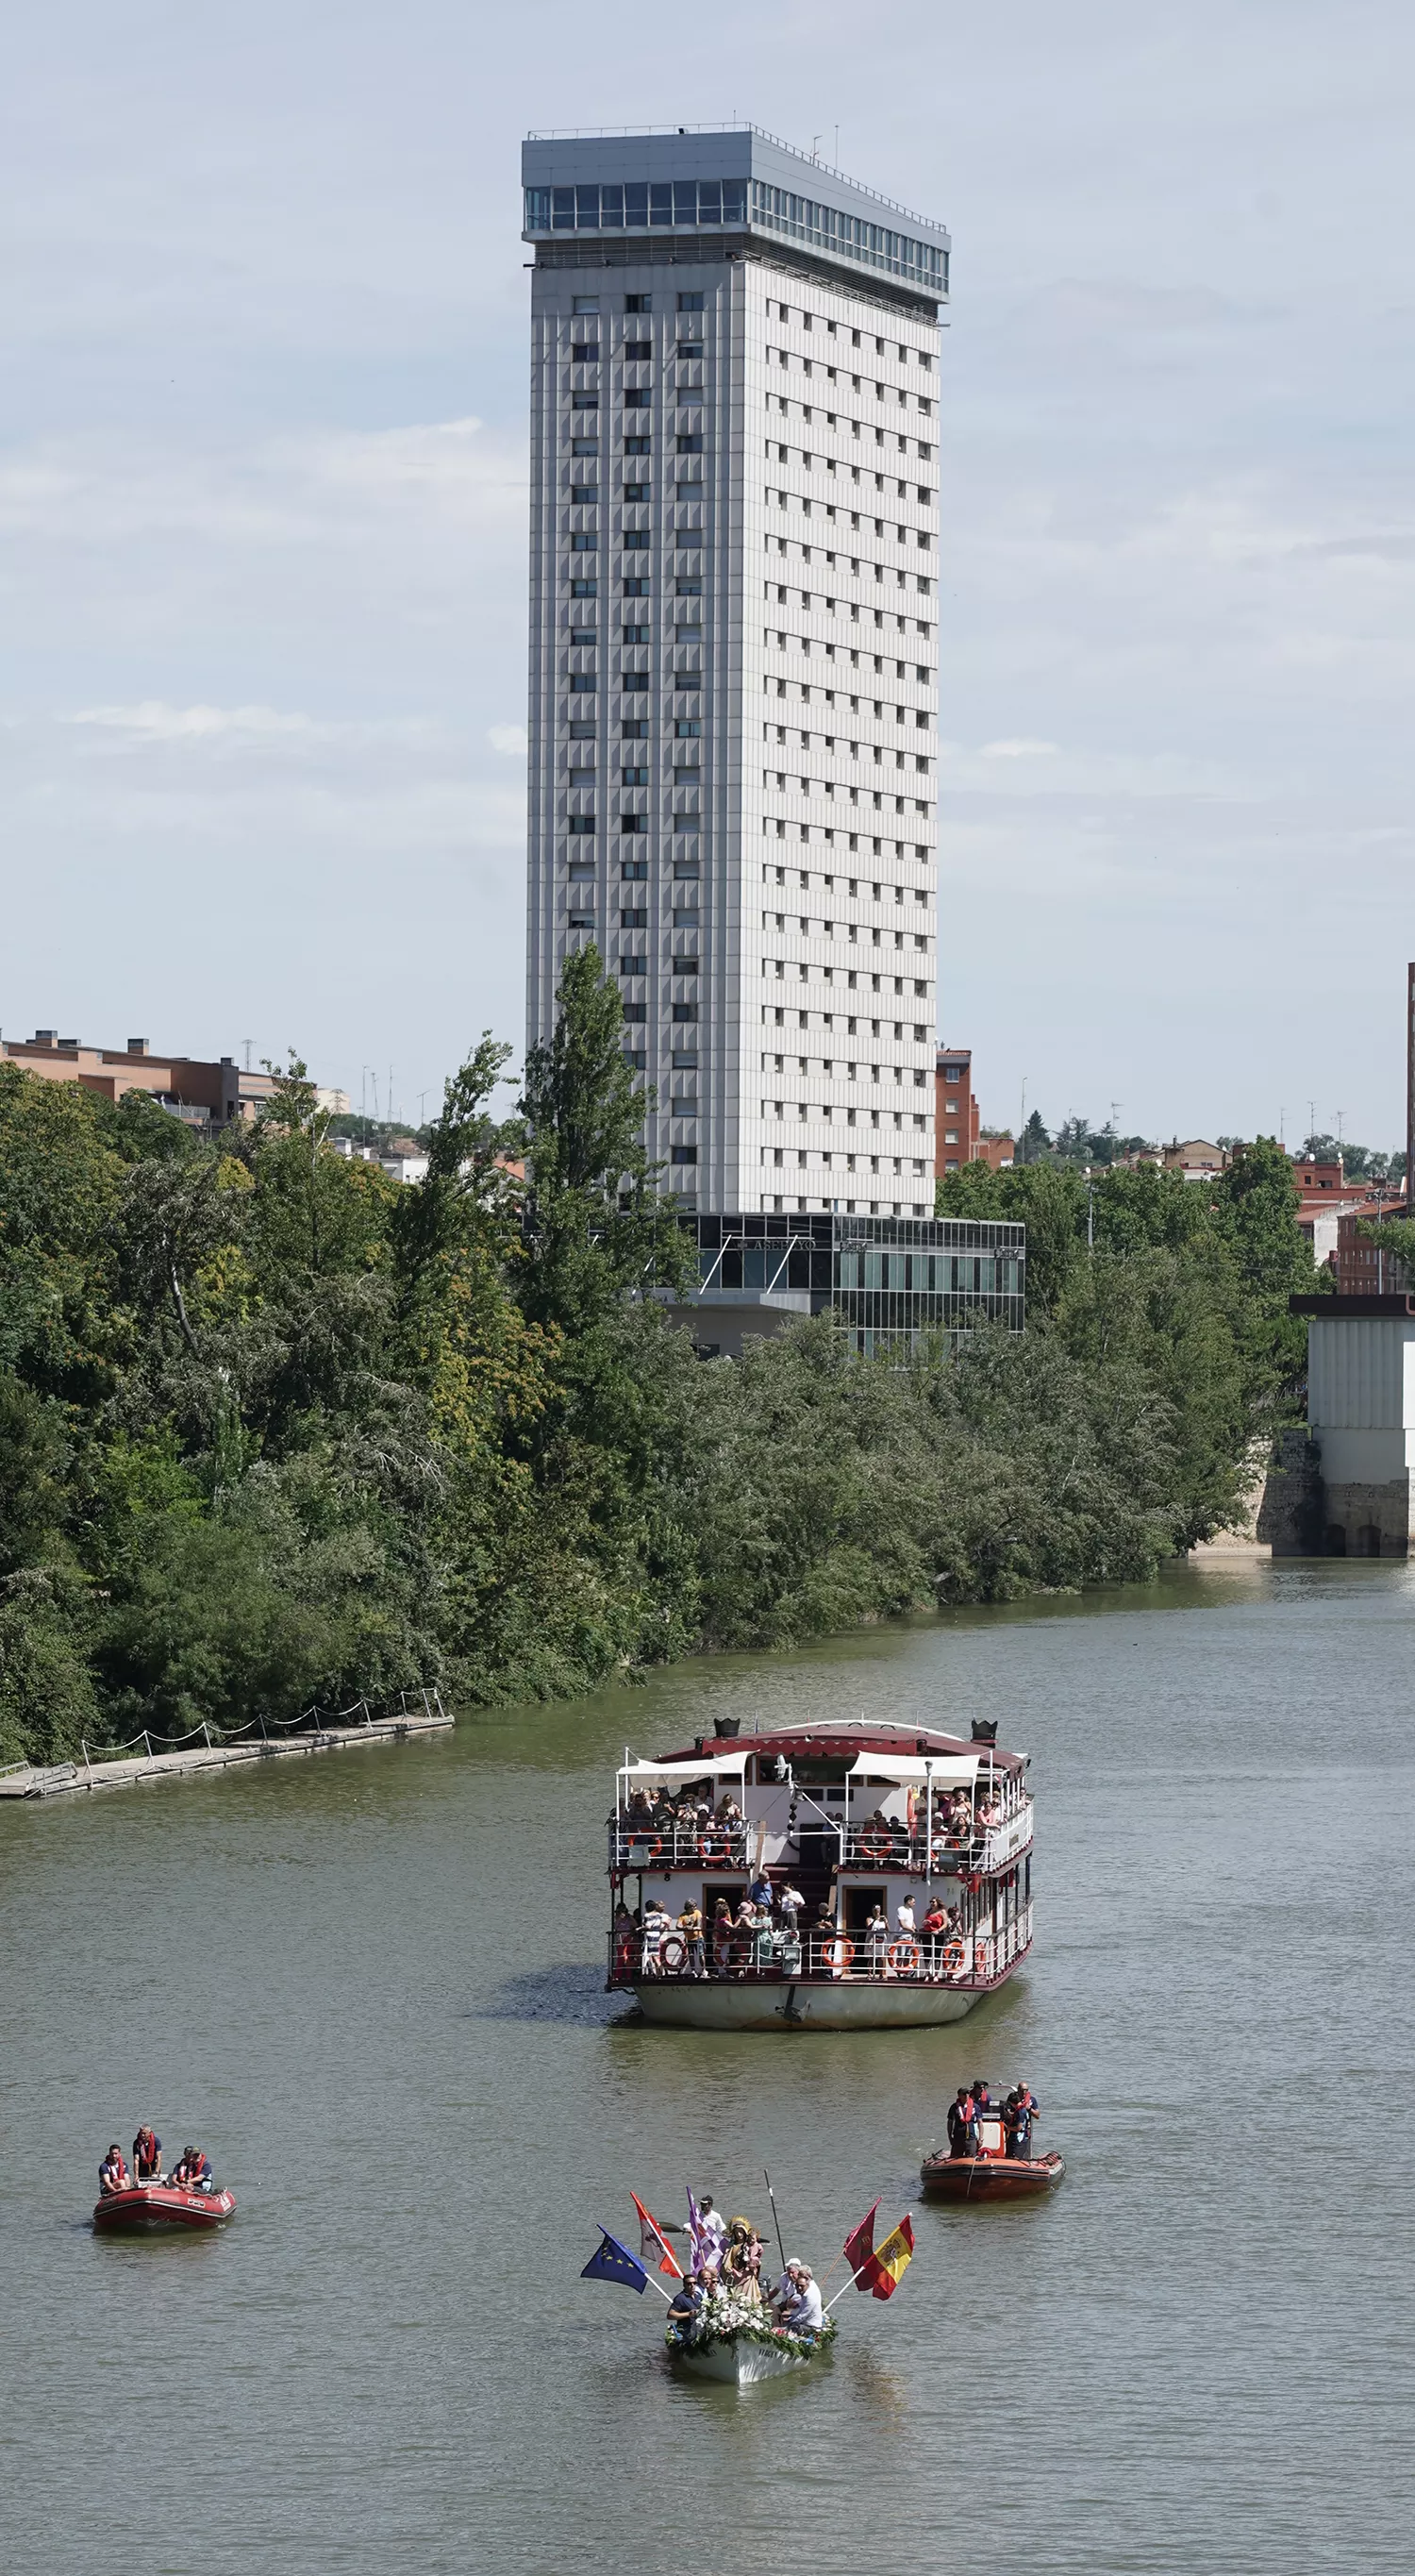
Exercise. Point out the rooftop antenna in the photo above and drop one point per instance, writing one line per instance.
(815, 147)
(248, 1043)
(837, 147)
(1311, 1123)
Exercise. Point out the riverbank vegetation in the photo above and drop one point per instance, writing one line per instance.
(275, 1429)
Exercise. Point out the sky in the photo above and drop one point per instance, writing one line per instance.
(263, 521)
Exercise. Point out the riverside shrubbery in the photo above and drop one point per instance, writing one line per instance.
(274, 1429)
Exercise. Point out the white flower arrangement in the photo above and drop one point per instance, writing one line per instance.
(725, 2319)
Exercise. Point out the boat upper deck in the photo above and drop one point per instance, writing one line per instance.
(836, 1794)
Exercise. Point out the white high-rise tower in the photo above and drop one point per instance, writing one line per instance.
(734, 653)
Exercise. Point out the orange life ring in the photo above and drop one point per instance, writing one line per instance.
(904, 1954)
(673, 1941)
(876, 1844)
(837, 1942)
(651, 1843)
(953, 1958)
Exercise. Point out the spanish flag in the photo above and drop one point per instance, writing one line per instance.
(891, 2259)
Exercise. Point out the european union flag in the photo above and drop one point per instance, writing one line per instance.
(614, 2262)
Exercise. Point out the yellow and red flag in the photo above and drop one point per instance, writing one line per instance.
(654, 2245)
(891, 2259)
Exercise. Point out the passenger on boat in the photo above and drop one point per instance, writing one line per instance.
(685, 2307)
(723, 1927)
(936, 1923)
(962, 2124)
(147, 2156)
(960, 1817)
(904, 1923)
(625, 1936)
(1022, 2109)
(876, 1942)
(690, 1924)
(113, 2174)
(192, 2171)
(656, 1924)
(728, 1812)
(760, 1890)
(982, 2098)
(805, 2315)
(712, 2226)
(789, 1902)
(989, 1813)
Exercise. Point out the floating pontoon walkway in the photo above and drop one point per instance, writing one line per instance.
(27, 1780)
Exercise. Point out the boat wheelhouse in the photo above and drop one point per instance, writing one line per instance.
(855, 1817)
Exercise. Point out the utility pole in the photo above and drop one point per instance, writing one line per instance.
(248, 1043)
(1022, 1125)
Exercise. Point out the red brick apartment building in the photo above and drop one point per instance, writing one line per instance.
(204, 1094)
(957, 1139)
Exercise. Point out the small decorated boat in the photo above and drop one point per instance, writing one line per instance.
(167, 2206)
(740, 2353)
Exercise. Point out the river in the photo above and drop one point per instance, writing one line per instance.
(371, 1985)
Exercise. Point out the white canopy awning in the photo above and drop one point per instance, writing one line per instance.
(716, 1766)
(946, 1770)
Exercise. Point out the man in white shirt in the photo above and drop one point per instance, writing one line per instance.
(907, 1931)
(806, 2315)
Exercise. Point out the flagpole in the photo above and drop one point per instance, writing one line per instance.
(852, 2284)
(775, 2214)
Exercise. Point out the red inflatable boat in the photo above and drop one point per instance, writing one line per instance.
(162, 2205)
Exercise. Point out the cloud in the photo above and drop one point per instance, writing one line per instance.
(509, 738)
(1019, 747)
(154, 721)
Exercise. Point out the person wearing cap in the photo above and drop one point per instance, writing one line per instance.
(711, 2228)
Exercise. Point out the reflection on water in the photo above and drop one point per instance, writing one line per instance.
(374, 1989)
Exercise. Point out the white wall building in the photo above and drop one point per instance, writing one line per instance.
(734, 653)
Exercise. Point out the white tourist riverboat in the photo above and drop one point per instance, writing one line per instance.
(857, 1818)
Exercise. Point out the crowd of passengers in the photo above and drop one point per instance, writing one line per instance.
(728, 2256)
(686, 1824)
(767, 1931)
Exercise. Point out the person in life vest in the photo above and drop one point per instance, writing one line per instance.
(1024, 2109)
(112, 2173)
(962, 2124)
(147, 2156)
(193, 2170)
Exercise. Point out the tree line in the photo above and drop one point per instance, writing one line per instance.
(276, 1430)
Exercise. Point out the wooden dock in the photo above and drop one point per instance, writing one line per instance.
(61, 1779)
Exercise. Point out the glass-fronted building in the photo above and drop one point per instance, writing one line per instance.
(892, 1279)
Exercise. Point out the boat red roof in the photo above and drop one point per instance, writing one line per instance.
(826, 1738)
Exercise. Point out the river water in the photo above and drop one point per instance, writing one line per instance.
(371, 1984)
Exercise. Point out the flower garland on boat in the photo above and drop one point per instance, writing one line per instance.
(724, 2319)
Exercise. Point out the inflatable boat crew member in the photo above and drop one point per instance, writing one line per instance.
(112, 2173)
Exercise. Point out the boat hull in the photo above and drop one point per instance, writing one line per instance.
(738, 2365)
(159, 2207)
(975, 2178)
(817, 2004)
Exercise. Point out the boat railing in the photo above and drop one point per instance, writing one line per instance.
(954, 1958)
(653, 1847)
